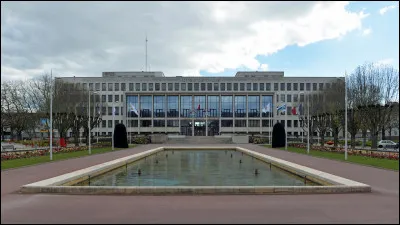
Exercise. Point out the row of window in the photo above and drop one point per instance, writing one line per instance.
(175, 123)
(205, 86)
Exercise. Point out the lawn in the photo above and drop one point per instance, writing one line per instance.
(376, 162)
(56, 157)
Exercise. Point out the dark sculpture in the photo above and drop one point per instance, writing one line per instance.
(120, 137)
(278, 136)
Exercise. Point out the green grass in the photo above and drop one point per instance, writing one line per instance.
(381, 163)
(15, 163)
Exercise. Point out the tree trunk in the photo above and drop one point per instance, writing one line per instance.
(383, 133)
(353, 141)
(374, 137)
(87, 136)
(335, 137)
(322, 139)
(364, 136)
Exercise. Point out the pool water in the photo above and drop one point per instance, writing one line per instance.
(198, 168)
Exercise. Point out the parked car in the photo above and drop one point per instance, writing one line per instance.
(388, 144)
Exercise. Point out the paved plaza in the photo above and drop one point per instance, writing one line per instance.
(380, 206)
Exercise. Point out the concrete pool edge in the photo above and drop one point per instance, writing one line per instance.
(57, 184)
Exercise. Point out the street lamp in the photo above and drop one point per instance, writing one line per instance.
(51, 114)
(308, 125)
(89, 133)
(345, 118)
(113, 111)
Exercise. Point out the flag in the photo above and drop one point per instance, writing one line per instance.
(301, 109)
(113, 111)
(198, 107)
(294, 110)
(98, 108)
(268, 108)
(133, 109)
(282, 107)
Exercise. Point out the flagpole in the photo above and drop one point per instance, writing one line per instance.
(286, 133)
(345, 117)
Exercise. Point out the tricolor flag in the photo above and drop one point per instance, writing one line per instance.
(198, 107)
(301, 109)
(133, 109)
(294, 110)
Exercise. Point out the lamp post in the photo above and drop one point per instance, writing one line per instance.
(90, 150)
(51, 114)
(308, 122)
(345, 118)
(113, 110)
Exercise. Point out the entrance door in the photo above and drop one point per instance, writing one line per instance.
(199, 128)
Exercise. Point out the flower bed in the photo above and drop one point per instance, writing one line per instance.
(366, 153)
(28, 154)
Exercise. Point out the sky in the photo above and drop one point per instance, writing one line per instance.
(84, 39)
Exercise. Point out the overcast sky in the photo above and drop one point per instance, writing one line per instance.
(196, 38)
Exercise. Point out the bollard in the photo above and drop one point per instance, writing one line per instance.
(89, 180)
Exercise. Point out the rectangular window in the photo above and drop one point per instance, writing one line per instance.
(97, 86)
(103, 86)
(295, 86)
(240, 123)
(301, 97)
(248, 87)
(222, 86)
(109, 98)
(229, 87)
(110, 86)
(282, 86)
(144, 86)
(216, 87)
(91, 86)
(137, 87)
(109, 111)
(308, 87)
(163, 86)
(203, 86)
(254, 123)
(289, 110)
(289, 86)
(314, 85)
(159, 123)
(235, 86)
(183, 86)
(226, 123)
(209, 86)
(116, 87)
(116, 110)
(190, 86)
(103, 98)
(196, 86)
(282, 98)
(321, 86)
(261, 86)
(104, 123)
(276, 87)
(301, 86)
(296, 123)
(268, 86)
(176, 86)
(289, 123)
(242, 86)
(85, 86)
(151, 85)
(170, 86)
(130, 86)
(328, 85)
(110, 124)
(295, 98)
(289, 98)
(255, 86)
(157, 87)
(116, 98)
(172, 123)
(123, 86)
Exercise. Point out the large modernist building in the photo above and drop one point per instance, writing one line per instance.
(149, 102)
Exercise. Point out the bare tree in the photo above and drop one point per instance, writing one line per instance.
(375, 87)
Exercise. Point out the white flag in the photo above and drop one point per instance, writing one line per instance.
(268, 108)
(134, 109)
(113, 111)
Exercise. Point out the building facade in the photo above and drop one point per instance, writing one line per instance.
(149, 102)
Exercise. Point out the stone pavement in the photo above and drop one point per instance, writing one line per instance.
(380, 206)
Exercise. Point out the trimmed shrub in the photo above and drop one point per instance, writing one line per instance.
(278, 136)
(120, 136)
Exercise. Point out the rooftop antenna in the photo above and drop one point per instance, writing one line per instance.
(146, 53)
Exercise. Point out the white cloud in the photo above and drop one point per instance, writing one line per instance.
(366, 31)
(184, 37)
(387, 8)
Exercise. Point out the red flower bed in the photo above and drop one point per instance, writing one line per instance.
(365, 153)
